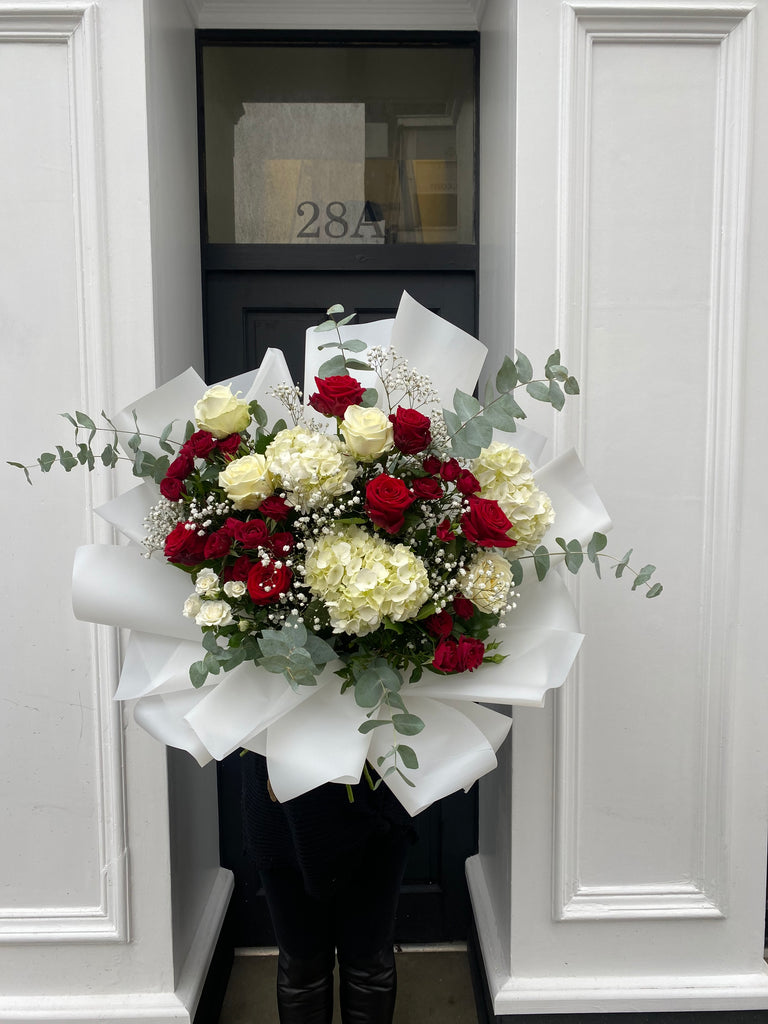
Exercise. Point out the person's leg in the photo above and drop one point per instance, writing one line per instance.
(303, 927)
(366, 903)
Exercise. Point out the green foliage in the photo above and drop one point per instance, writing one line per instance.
(340, 364)
(292, 651)
(470, 424)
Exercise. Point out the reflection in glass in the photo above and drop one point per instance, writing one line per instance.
(341, 145)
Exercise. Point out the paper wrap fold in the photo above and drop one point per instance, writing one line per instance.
(311, 736)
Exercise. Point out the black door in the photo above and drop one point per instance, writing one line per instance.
(258, 294)
(247, 313)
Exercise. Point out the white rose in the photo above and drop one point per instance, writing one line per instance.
(368, 432)
(221, 413)
(235, 588)
(247, 481)
(192, 606)
(207, 583)
(214, 613)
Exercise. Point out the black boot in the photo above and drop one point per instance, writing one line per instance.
(305, 989)
(367, 990)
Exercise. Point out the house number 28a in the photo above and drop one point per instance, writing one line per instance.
(336, 225)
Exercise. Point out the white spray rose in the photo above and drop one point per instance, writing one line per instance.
(247, 481)
(192, 606)
(207, 583)
(368, 432)
(221, 412)
(214, 613)
(235, 588)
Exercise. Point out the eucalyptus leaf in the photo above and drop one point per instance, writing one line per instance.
(336, 308)
(541, 561)
(556, 396)
(452, 422)
(506, 378)
(466, 406)
(368, 689)
(407, 725)
(478, 432)
(326, 325)
(503, 412)
(370, 398)
(373, 723)
(571, 386)
(523, 367)
(356, 364)
(408, 756)
(347, 319)
(517, 572)
(404, 777)
(655, 590)
(622, 565)
(198, 673)
(596, 543)
(333, 367)
(354, 344)
(23, 468)
(46, 460)
(539, 390)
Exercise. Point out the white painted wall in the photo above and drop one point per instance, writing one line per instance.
(638, 800)
(87, 921)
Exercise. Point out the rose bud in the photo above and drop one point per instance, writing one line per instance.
(440, 624)
(470, 653)
(463, 607)
(446, 657)
(274, 508)
(467, 482)
(229, 444)
(200, 444)
(335, 395)
(184, 546)
(450, 470)
(486, 525)
(411, 430)
(172, 489)
(431, 465)
(426, 488)
(386, 498)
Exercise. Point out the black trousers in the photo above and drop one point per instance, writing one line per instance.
(352, 918)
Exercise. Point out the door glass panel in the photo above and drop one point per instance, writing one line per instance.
(339, 145)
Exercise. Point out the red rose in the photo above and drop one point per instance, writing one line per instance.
(468, 483)
(335, 395)
(274, 508)
(440, 624)
(199, 444)
(218, 544)
(450, 470)
(239, 570)
(282, 543)
(470, 653)
(444, 530)
(431, 465)
(446, 657)
(386, 498)
(266, 582)
(463, 607)
(172, 489)
(181, 466)
(229, 444)
(184, 546)
(411, 430)
(426, 488)
(251, 535)
(486, 525)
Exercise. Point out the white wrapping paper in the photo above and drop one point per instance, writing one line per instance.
(311, 736)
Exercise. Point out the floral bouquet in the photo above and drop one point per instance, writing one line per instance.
(323, 582)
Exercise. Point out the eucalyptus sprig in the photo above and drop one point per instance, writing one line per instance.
(340, 364)
(574, 553)
(145, 464)
(471, 423)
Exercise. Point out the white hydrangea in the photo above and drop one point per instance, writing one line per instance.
(363, 580)
(505, 475)
(487, 582)
(311, 467)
